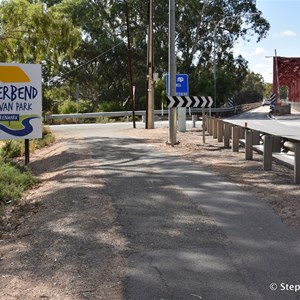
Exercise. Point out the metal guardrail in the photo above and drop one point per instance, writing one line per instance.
(127, 113)
(248, 106)
(233, 135)
(192, 110)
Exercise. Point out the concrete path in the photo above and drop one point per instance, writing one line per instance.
(191, 233)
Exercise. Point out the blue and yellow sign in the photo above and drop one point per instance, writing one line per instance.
(20, 101)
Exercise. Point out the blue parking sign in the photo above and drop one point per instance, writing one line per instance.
(182, 85)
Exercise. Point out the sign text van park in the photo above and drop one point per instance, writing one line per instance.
(20, 101)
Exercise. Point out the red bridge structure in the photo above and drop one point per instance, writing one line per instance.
(286, 72)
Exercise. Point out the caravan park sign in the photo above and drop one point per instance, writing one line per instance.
(20, 101)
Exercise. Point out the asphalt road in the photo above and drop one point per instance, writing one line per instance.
(192, 234)
(287, 126)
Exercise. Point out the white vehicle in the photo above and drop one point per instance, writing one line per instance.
(266, 102)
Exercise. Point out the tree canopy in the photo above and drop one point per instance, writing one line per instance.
(85, 42)
(32, 33)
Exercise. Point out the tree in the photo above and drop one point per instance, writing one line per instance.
(100, 65)
(268, 90)
(31, 33)
(252, 89)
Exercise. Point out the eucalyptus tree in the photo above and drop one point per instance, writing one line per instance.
(100, 64)
(32, 33)
(208, 28)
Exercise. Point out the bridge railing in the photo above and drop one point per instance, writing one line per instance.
(159, 112)
(270, 146)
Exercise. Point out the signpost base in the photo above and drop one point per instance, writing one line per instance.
(181, 111)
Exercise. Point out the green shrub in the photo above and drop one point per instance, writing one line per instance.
(14, 180)
(47, 139)
(11, 149)
(16, 148)
(68, 107)
(110, 106)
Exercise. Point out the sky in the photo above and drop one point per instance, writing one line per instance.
(283, 36)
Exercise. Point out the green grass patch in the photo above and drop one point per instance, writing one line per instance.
(14, 181)
(15, 178)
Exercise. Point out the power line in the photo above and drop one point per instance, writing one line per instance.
(86, 63)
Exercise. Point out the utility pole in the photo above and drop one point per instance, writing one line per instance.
(150, 96)
(215, 71)
(130, 68)
(172, 74)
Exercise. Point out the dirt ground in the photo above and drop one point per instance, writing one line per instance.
(36, 263)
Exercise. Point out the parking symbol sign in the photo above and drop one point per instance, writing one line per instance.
(182, 85)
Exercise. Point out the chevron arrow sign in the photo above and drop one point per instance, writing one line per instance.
(186, 101)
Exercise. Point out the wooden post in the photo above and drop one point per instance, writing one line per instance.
(248, 145)
(227, 135)
(215, 131)
(297, 164)
(276, 144)
(220, 130)
(267, 155)
(235, 138)
(210, 125)
(242, 132)
(255, 137)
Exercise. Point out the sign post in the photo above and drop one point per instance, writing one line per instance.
(20, 103)
(172, 72)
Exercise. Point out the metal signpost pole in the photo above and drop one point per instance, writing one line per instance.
(172, 73)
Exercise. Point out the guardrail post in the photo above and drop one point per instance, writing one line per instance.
(242, 133)
(297, 164)
(248, 145)
(267, 155)
(255, 137)
(227, 131)
(47, 118)
(194, 119)
(212, 125)
(207, 123)
(220, 130)
(209, 126)
(235, 138)
(276, 144)
(204, 120)
(215, 128)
